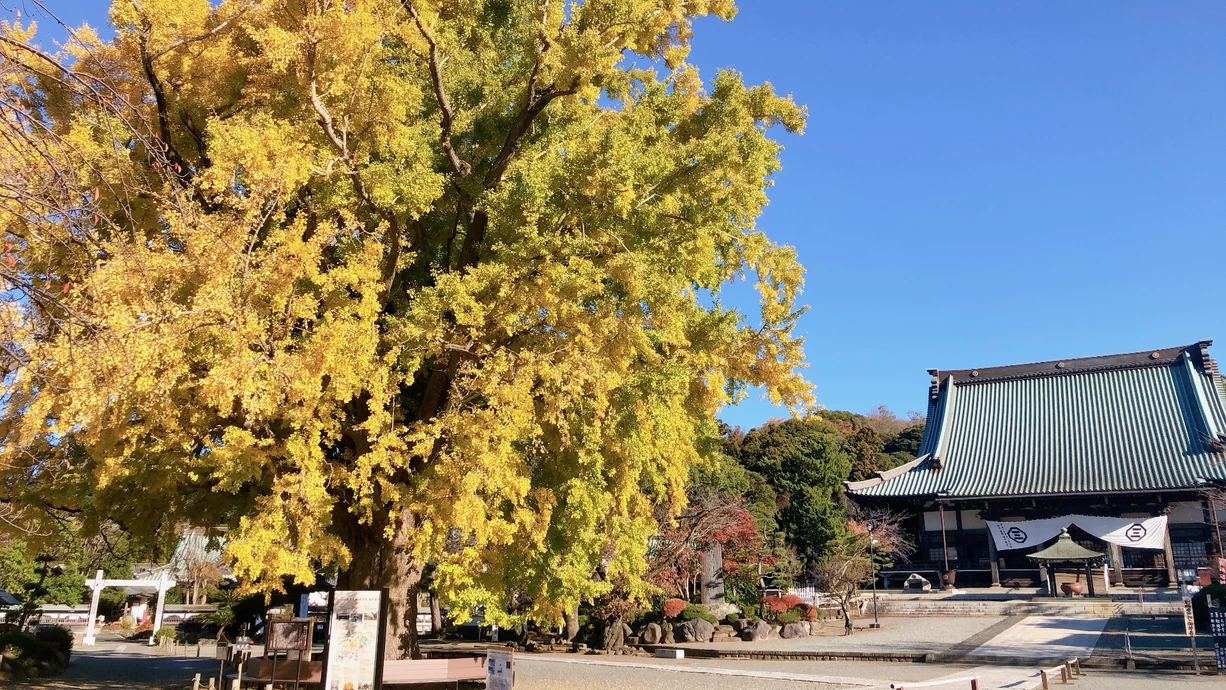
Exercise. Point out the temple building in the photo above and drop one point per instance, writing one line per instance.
(1120, 450)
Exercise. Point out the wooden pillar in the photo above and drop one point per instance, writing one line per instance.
(1089, 579)
(1170, 556)
(1117, 562)
(995, 561)
(944, 546)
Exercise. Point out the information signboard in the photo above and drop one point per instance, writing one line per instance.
(353, 659)
(1217, 627)
(1189, 623)
(287, 635)
(499, 669)
(1217, 622)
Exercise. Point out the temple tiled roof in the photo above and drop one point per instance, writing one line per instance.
(1140, 422)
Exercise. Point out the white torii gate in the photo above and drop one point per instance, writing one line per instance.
(97, 584)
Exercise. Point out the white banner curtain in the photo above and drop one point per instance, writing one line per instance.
(1136, 533)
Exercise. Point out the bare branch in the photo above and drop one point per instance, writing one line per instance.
(193, 39)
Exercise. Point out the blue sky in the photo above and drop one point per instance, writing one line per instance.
(984, 183)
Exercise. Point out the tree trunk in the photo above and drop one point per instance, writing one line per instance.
(377, 564)
(436, 615)
(845, 605)
(572, 623)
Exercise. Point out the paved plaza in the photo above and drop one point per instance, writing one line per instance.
(1040, 637)
(547, 672)
(115, 665)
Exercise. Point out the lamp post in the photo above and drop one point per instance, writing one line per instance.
(872, 564)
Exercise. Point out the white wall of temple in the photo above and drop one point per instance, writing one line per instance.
(971, 520)
(932, 521)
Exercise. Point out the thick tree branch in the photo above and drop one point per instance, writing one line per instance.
(160, 102)
(341, 143)
(446, 113)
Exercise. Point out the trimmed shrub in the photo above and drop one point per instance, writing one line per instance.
(23, 653)
(790, 616)
(165, 632)
(731, 618)
(56, 636)
(792, 600)
(808, 613)
(774, 605)
(674, 607)
(193, 630)
(694, 611)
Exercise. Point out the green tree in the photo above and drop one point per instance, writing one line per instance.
(16, 568)
(907, 441)
(864, 451)
(805, 462)
(380, 283)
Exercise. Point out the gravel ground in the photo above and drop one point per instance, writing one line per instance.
(910, 634)
(536, 674)
(99, 672)
(90, 671)
(117, 666)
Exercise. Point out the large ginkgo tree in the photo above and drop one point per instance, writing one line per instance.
(379, 283)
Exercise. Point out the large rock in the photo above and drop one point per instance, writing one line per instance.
(697, 630)
(703, 630)
(793, 631)
(722, 611)
(669, 637)
(740, 624)
(757, 631)
(614, 637)
(652, 634)
(682, 633)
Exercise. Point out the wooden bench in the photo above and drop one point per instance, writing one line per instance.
(433, 671)
(448, 672)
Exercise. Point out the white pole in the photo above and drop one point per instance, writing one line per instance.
(157, 618)
(93, 611)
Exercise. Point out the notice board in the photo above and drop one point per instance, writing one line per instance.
(353, 658)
